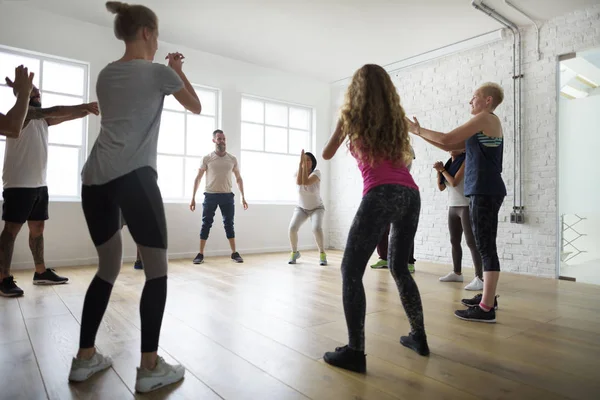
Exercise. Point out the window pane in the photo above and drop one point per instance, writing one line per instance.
(70, 132)
(51, 100)
(208, 99)
(64, 78)
(299, 140)
(199, 134)
(171, 103)
(8, 63)
(172, 132)
(281, 185)
(299, 118)
(192, 164)
(276, 114)
(7, 99)
(63, 171)
(252, 136)
(170, 176)
(252, 111)
(276, 139)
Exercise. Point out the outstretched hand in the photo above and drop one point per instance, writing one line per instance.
(175, 61)
(413, 126)
(91, 108)
(23, 80)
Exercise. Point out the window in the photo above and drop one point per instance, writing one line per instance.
(183, 140)
(273, 136)
(60, 83)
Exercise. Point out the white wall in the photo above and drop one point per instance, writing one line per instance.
(67, 239)
(438, 93)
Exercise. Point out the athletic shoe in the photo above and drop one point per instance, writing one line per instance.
(323, 259)
(199, 259)
(162, 375)
(452, 277)
(380, 264)
(9, 288)
(474, 302)
(411, 268)
(476, 314)
(48, 277)
(416, 342)
(347, 358)
(138, 264)
(84, 369)
(476, 284)
(294, 255)
(236, 257)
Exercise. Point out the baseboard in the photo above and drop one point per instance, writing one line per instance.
(77, 262)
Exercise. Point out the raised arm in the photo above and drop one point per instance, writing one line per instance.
(81, 111)
(196, 185)
(456, 138)
(186, 96)
(11, 124)
(334, 143)
(439, 166)
(455, 180)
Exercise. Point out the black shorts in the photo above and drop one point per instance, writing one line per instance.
(25, 204)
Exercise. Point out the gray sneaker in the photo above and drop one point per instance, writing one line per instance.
(162, 375)
(294, 255)
(84, 369)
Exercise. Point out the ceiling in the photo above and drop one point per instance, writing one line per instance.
(580, 75)
(324, 39)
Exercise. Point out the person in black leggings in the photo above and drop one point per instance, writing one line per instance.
(372, 121)
(484, 141)
(120, 176)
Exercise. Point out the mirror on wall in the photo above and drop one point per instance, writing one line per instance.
(578, 166)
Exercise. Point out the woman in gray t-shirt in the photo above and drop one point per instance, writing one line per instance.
(120, 176)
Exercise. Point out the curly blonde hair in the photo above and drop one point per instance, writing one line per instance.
(373, 119)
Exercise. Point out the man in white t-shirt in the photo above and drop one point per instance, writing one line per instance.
(25, 189)
(218, 166)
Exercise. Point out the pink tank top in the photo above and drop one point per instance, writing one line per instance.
(385, 173)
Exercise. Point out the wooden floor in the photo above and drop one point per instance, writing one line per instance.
(258, 331)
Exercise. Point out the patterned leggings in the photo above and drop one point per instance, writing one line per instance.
(382, 205)
(484, 220)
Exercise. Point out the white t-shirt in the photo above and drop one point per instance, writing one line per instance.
(218, 172)
(26, 158)
(456, 195)
(310, 195)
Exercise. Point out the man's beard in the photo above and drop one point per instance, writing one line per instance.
(221, 148)
(35, 103)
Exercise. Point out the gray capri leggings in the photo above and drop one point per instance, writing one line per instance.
(459, 221)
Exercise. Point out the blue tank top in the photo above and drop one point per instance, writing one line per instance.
(483, 166)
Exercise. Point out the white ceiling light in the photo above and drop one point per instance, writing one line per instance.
(576, 93)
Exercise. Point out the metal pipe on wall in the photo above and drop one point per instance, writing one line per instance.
(517, 216)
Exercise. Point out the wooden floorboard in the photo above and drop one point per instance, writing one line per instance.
(258, 330)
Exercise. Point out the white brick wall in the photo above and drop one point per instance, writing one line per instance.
(438, 93)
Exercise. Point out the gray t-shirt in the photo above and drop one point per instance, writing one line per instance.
(130, 97)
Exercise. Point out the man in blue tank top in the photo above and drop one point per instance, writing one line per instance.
(484, 142)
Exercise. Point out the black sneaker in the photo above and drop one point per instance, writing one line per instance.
(476, 314)
(347, 358)
(48, 277)
(9, 288)
(474, 302)
(199, 259)
(236, 257)
(138, 264)
(416, 342)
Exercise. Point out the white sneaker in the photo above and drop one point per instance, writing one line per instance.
(162, 375)
(84, 369)
(476, 284)
(452, 277)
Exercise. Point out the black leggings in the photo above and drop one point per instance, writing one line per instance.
(137, 196)
(382, 205)
(459, 222)
(484, 212)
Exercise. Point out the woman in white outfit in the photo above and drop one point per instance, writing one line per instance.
(451, 176)
(310, 205)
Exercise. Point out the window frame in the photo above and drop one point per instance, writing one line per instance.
(85, 98)
(311, 135)
(217, 116)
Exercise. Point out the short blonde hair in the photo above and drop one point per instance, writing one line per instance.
(494, 91)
